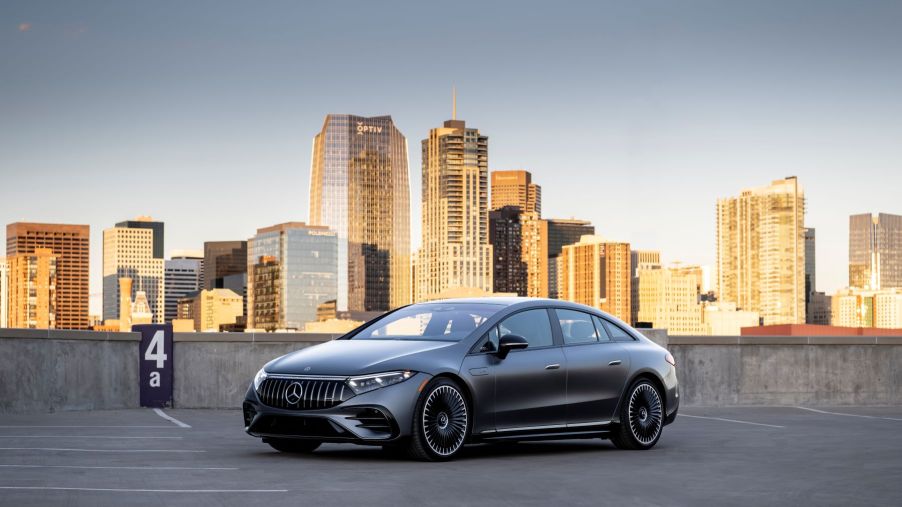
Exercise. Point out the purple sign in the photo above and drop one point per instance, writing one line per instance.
(155, 364)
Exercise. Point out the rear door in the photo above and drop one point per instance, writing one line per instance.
(597, 367)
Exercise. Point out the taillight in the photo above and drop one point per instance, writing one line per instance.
(669, 358)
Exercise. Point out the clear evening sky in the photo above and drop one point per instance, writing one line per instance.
(635, 115)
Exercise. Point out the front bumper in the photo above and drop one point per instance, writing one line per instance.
(376, 417)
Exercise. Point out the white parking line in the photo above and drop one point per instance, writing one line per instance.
(116, 468)
(730, 420)
(90, 436)
(57, 426)
(124, 490)
(92, 450)
(171, 419)
(849, 415)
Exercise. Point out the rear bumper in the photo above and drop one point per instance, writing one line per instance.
(377, 417)
(671, 396)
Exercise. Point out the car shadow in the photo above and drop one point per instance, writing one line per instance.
(473, 451)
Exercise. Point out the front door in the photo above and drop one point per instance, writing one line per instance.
(530, 384)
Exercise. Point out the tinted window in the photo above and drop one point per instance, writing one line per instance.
(602, 332)
(430, 321)
(576, 326)
(617, 333)
(490, 341)
(532, 325)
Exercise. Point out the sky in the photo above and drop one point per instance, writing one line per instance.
(634, 115)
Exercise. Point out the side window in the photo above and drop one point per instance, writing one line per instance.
(602, 332)
(532, 325)
(490, 341)
(617, 333)
(577, 327)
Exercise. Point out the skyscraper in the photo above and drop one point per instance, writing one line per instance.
(32, 290)
(225, 267)
(455, 251)
(221, 260)
(145, 222)
(4, 292)
(181, 277)
(515, 188)
(875, 251)
(562, 231)
(130, 252)
(292, 268)
(359, 188)
(640, 260)
(506, 237)
(535, 254)
(761, 251)
(596, 272)
(70, 245)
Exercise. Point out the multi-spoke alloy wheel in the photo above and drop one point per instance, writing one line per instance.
(641, 418)
(442, 422)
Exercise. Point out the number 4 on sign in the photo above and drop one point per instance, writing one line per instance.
(156, 350)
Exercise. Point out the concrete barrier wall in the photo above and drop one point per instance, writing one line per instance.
(74, 370)
(44, 371)
(212, 373)
(789, 370)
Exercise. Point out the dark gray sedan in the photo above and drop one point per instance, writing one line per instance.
(430, 377)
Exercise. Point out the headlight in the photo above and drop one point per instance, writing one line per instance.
(368, 383)
(258, 379)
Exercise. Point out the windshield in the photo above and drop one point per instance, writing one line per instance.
(430, 321)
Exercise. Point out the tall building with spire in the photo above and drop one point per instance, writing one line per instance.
(761, 251)
(455, 251)
(359, 188)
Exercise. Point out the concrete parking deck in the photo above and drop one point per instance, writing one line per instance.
(709, 456)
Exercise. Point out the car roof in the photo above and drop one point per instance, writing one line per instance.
(520, 301)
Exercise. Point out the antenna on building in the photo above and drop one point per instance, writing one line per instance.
(453, 103)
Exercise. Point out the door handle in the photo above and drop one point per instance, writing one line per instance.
(614, 362)
(552, 366)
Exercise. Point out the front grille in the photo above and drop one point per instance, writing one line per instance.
(303, 394)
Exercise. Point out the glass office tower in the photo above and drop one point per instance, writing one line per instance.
(359, 188)
(875, 251)
(292, 268)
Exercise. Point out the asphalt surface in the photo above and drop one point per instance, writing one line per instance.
(711, 456)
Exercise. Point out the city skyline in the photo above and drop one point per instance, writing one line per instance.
(678, 135)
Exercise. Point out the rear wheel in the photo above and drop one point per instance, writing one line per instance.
(441, 422)
(641, 417)
(293, 445)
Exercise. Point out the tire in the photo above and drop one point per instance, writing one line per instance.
(293, 446)
(641, 417)
(441, 423)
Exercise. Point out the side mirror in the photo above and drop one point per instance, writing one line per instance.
(510, 342)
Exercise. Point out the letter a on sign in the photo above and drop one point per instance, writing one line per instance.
(155, 364)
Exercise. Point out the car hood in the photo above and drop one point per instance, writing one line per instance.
(358, 357)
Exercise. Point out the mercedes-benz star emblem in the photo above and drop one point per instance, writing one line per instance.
(294, 393)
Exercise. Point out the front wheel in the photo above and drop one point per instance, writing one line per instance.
(441, 422)
(293, 446)
(641, 417)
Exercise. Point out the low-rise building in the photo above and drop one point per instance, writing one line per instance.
(854, 307)
(724, 319)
